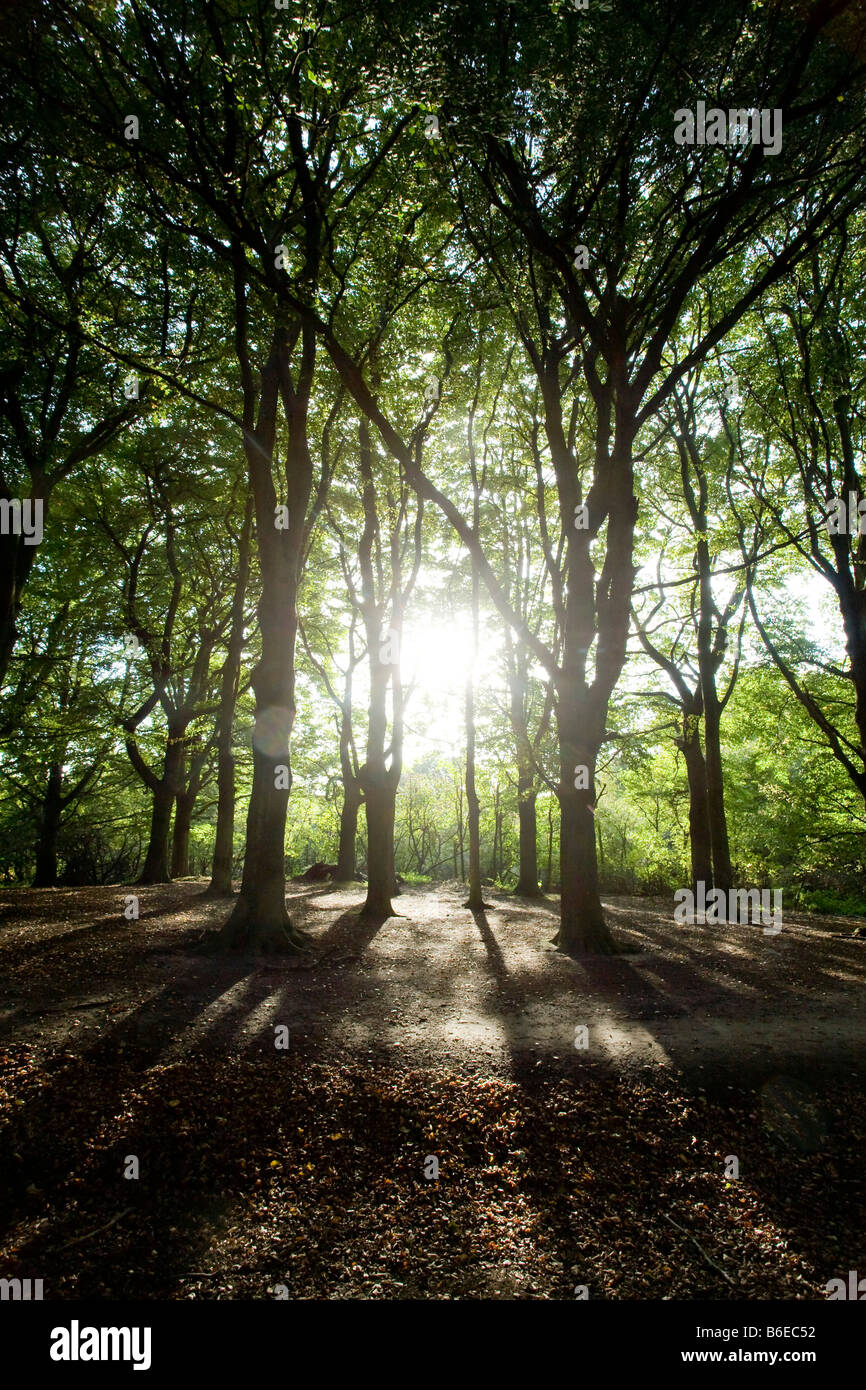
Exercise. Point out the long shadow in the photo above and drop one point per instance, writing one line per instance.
(353, 929)
(117, 922)
(727, 972)
(53, 1145)
(789, 1153)
(123, 1062)
(546, 1173)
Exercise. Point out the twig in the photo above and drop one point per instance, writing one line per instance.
(88, 1234)
(716, 1267)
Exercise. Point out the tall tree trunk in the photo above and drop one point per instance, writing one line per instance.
(49, 829)
(581, 708)
(374, 776)
(699, 819)
(184, 805)
(16, 562)
(378, 785)
(379, 806)
(224, 846)
(475, 900)
(527, 881)
(548, 875)
(591, 610)
(852, 604)
(156, 865)
(718, 823)
(260, 920)
(498, 859)
(346, 856)
(582, 925)
(707, 665)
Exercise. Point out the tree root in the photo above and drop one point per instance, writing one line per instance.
(244, 932)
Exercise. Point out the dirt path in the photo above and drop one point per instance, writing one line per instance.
(442, 1034)
(436, 985)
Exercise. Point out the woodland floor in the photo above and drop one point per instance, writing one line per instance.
(441, 1033)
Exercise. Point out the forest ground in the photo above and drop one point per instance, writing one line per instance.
(301, 1171)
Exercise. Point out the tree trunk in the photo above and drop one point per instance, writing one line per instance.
(591, 611)
(156, 868)
(260, 920)
(184, 805)
(527, 882)
(718, 824)
(379, 805)
(346, 857)
(699, 820)
(16, 562)
(707, 666)
(220, 885)
(581, 711)
(548, 877)
(224, 847)
(156, 865)
(377, 785)
(582, 926)
(379, 782)
(49, 829)
(475, 900)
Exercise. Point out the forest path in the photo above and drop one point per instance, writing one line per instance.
(441, 1033)
(436, 985)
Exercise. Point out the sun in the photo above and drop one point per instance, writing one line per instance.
(437, 657)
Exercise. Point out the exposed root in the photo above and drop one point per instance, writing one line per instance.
(245, 932)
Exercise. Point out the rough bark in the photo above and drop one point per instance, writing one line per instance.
(527, 881)
(223, 858)
(156, 861)
(581, 705)
(184, 805)
(375, 777)
(548, 872)
(700, 843)
(709, 656)
(184, 810)
(475, 900)
(260, 920)
(347, 853)
(352, 793)
(49, 830)
(16, 562)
